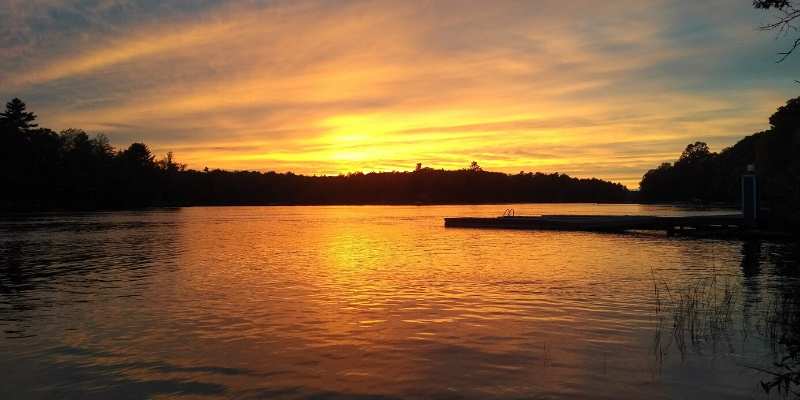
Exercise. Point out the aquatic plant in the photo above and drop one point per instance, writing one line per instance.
(699, 311)
(781, 325)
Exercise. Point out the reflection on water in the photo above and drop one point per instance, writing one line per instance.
(360, 302)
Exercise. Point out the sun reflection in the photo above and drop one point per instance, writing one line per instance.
(331, 298)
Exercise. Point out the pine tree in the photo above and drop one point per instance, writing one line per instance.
(16, 117)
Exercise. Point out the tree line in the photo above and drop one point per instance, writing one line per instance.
(705, 176)
(44, 170)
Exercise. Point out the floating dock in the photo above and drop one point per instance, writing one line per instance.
(731, 223)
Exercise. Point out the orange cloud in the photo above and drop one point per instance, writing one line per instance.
(321, 88)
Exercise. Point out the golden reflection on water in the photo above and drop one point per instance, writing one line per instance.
(293, 302)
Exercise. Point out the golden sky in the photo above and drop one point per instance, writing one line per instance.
(588, 88)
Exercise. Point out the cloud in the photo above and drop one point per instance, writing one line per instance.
(329, 87)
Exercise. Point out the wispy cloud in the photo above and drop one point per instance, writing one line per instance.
(328, 87)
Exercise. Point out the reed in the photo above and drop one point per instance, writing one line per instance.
(781, 325)
(700, 311)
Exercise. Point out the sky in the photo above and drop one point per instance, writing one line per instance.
(592, 89)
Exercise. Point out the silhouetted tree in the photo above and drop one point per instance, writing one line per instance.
(169, 165)
(15, 116)
(787, 118)
(694, 153)
(26, 155)
(138, 155)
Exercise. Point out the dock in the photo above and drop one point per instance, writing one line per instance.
(733, 224)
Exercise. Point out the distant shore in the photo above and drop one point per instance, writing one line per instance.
(12, 210)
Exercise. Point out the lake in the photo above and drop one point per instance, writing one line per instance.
(340, 302)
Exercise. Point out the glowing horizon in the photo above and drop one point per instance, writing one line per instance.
(333, 87)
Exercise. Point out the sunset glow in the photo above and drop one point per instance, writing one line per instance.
(319, 87)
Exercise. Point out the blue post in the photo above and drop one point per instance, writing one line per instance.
(750, 197)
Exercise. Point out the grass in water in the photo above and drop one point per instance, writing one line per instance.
(701, 312)
(782, 327)
(698, 312)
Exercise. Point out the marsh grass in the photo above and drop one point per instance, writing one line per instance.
(698, 312)
(781, 326)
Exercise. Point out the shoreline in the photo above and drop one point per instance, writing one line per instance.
(8, 211)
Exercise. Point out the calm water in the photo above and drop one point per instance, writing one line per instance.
(362, 302)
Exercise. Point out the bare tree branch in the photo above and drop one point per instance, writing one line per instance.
(785, 23)
(785, 54)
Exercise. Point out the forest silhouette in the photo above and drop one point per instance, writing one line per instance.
(700, 175)
(45, 170)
